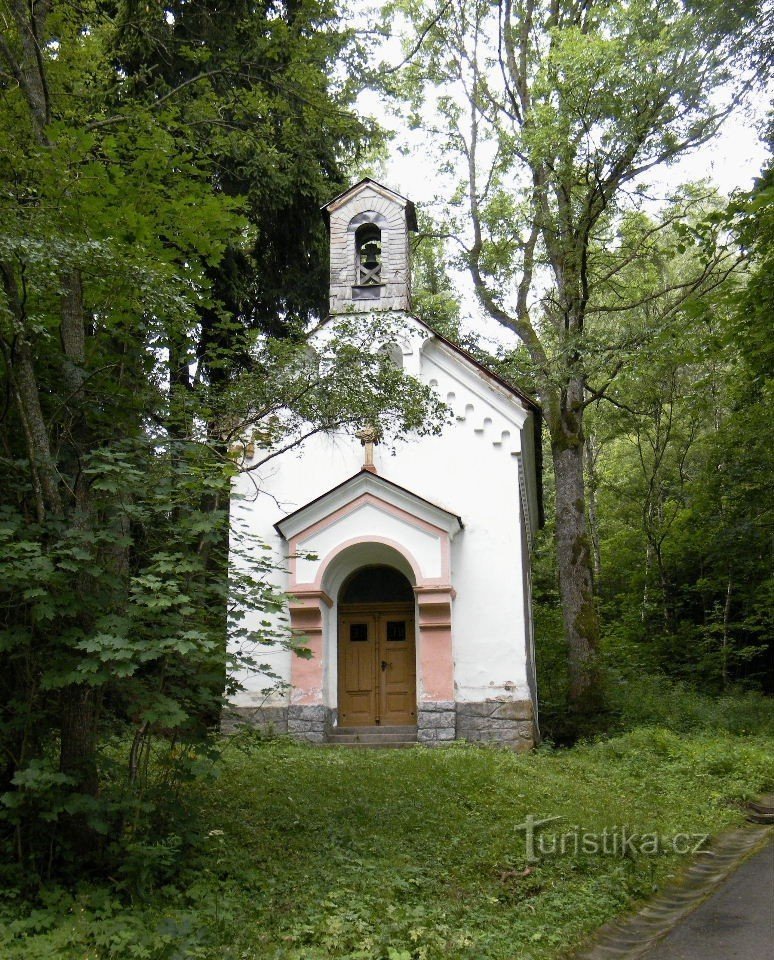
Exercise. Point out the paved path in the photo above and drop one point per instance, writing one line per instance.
(735, 923)
(720, 908)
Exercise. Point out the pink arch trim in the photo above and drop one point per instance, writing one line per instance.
(361, 500)
(354, 541)
(398, 512)
(434, 603)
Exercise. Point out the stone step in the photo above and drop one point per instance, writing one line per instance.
(372, 737)
(366, 745)
(409, 730)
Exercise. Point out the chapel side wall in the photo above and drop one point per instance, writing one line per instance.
(251, 704)
(478, 470)
(493, 701)
(477, 465)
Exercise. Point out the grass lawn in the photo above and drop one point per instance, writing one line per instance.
(298, 853)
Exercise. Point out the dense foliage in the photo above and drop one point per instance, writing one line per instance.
(549, 117)
(161, 253)
(678, 472)
(152, 159)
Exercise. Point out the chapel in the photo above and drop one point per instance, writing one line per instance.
(406, 568)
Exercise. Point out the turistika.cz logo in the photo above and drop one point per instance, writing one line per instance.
(615, 841)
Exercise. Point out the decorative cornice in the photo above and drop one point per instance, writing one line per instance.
(302, 594)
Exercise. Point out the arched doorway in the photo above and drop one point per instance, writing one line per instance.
(376, 649)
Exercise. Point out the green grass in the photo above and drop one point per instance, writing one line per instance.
(657, 700)
(303, 854)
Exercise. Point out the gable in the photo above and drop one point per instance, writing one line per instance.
(479, 399)
(393, 517)
(377, 191)
(317, 512)
(489, 383)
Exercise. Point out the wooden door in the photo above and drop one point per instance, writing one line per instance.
(377, 665)
(397, 669)
(358, 649)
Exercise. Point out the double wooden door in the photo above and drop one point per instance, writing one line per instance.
(377, 665)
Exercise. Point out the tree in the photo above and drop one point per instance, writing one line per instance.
(282, 139)
(684, 456)
(117, 237)
(432, 292)
(556, 111)
(263, 96)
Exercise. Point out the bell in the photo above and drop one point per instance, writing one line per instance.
(370, 255)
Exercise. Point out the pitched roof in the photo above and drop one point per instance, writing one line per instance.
(411, 210)
(530, 402)
(525, 398)
(366, 481)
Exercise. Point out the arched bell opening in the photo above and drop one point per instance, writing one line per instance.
(376, 648)
(368, 255)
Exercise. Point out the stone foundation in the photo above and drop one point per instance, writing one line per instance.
(302, 722)
(273, 721)
(505, 723)
(436, 722)
(312, 723)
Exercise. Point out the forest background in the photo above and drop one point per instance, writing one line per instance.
(162, 254)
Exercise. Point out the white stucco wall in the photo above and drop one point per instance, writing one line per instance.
(471, 470)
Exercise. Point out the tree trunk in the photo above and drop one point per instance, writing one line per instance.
(646, 588)
(216, 558)
(20, 363)
(592, 483)
(43, 469)
(78, 725)
(574, 561)
(79, 702)
(666, 589)
(726, 627)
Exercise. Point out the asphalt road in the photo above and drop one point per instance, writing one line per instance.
(735, 923)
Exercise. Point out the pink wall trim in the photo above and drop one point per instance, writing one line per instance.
(369, 498)
(436, 659)
(354, 541)
(306, 623)
(436, 666)
(302, 593)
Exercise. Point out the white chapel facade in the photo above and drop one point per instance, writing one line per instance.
(407, 569)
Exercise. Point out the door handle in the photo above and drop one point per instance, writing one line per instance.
(385, 665)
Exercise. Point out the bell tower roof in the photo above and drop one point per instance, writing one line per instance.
(351, 192)
(369, 226)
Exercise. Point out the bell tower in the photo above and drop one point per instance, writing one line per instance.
(369, 227)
